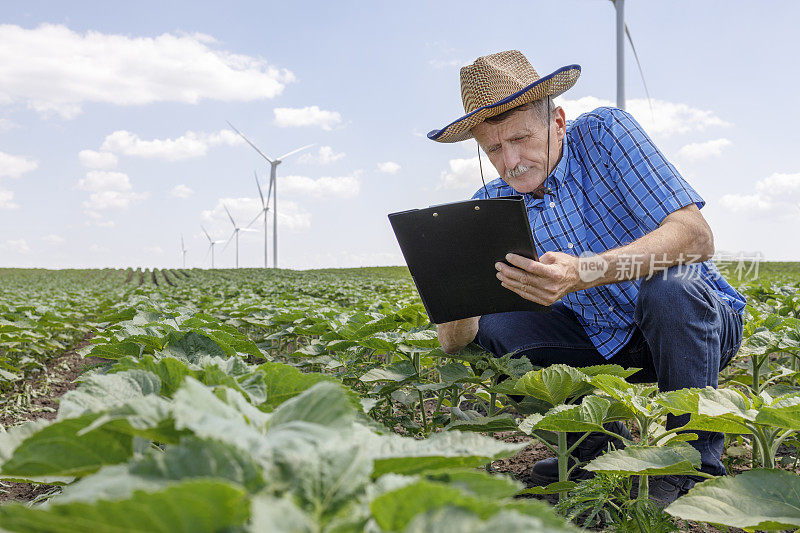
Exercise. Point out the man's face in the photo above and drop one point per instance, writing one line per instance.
(517, 147)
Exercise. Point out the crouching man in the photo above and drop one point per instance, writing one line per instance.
(624, 252)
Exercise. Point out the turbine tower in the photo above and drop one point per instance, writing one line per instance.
(273, 175)
(264, 211)
(211, 243)
(183, 251)
(236, 230)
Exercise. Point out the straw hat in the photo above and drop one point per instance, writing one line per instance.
(496, 83)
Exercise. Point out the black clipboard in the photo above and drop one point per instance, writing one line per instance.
(451, 250)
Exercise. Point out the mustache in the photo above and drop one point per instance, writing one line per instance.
(517, 171)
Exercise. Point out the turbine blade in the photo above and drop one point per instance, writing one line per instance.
(229, 241)
(641, 72)
(183, 247)
(269, 192)
(248, 142)
(281, 158)
(248, 229)
(229, 215)
(261, 194)
(204, 231)
(256, 218)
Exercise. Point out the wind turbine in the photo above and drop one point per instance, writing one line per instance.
(211, 243)
(264, 211)
(236, 230)
(273, 175)
(183, 251)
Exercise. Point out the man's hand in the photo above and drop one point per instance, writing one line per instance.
(545, 281)
(454, 336)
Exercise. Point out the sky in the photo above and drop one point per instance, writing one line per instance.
(114, 142)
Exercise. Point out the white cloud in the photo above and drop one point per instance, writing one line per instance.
(181, 191)
(7, 200)
(290, 216)
(109, 191)
(101, 180)
(53, 69)
(324, 156)
(445, 63)
(307, 116)
(7, 124)
(53, 239)
(777, 195)
(389, 167)
(463, 174)
(325, 187)
(190, 144)
(665, 118)
(19, 246)
(93, 159)
(14, 166)
(712, 148)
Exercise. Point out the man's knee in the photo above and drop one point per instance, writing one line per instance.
(668, 291)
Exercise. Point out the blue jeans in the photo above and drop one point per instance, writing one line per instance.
(684, 335)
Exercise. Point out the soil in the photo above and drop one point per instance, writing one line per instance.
(44, 392)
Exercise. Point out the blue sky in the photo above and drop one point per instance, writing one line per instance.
(114, 142)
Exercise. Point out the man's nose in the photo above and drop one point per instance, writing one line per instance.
(511, 157)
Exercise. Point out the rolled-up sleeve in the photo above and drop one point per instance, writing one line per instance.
(651, 186)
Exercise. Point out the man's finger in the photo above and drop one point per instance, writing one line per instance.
(528, 265)
(532, 296)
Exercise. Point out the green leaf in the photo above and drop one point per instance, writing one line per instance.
(452, 449)
(590, 415)
(784, 413)
(648, 460)
(554, 384)
(279, 515)
(457, 520)
(99, 392)
(478, 483)
(325, 404)
(396, 372)
(485, 424)
(190, 507)
(196, 458)
(192, 345)
(422, 339)
(116, 350)
(60, 450)
(552, 488)
(284, 382)
(170, 370)
(754, 500)
(454, 373)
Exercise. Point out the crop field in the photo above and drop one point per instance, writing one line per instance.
(310, 401)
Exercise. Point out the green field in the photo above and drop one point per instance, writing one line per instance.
(251, 399)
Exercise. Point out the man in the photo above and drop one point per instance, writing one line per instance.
(624, 252)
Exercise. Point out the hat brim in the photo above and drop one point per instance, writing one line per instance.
(553, 84)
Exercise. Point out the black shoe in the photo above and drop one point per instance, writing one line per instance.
(663, 490)
(545, 471)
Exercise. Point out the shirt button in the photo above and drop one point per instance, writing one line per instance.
(552, 204)
(570, 245)
(611, 308)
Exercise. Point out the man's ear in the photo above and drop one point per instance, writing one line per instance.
(561, 122)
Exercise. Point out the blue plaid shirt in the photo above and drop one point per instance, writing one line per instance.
(611, 186)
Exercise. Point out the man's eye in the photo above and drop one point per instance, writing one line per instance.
(493, 149)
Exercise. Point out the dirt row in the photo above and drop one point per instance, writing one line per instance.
(44, 392)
